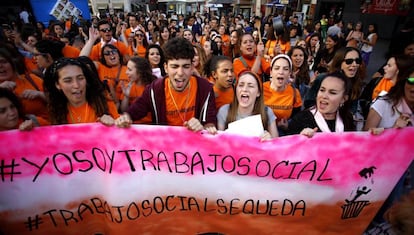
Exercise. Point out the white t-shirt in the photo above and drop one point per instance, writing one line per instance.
(384, 108)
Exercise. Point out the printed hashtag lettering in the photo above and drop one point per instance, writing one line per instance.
(8, 170)
(33, 223)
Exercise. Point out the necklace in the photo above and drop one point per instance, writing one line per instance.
(186, 101)
(78, 117)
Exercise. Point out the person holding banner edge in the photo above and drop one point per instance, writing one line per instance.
(75, 95)
(179, 99)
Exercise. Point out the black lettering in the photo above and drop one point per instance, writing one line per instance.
(303, 208)
(323, 172)
(271, 209)
(111, 159)
(232, 164)
(240, 165)
(197, 160)
(69, 161)
(94, 155)
(89, 163)
(82, 208)
(108, 211)
(248, 207)
(145, 207)
(293, 169)
(215, 163)
(274, 169)
(149, 155)
(312, 169)
(193, 202)
(184, 162)
(68, 217)
(163, 159)
(167, 203)
(205, 206)
(128, 212)
(98, 207)
(35, 165)
(182, 203)
(258, 208)
(232, 208)
(131, 164)
(267, 170)
(160, 203)
(288, 207)
(119, 213)
(51, 216)
(221, 205)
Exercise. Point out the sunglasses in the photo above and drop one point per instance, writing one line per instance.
(139, 35)
(105, 30)
(111, 52)
(350, 61)
(410, 81)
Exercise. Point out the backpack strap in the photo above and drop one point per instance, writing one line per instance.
(30, 79)
(244, 62)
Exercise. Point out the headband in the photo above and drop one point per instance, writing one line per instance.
(286, 57)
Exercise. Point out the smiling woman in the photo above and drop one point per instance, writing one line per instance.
(75, 95)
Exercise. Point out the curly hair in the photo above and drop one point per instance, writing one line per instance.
(143, 69)
(178, 48)
(58, 102)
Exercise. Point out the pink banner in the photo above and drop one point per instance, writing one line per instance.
(92, 179)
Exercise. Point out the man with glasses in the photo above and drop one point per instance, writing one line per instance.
(105, 33)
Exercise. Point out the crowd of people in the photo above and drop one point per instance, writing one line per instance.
(202, 72)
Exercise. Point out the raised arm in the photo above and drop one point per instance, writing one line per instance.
(93, 36)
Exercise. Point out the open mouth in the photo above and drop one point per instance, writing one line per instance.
(244, 98)
(77, 94)
(323, 104)
(230, 81)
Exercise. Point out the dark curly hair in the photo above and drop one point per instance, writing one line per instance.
(178, 48)
(144, 70)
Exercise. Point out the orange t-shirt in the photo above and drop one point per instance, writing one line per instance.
(38, 106)
(30, 63)
(226, 42)
(134, 94)
(223, 96)
(141, 50)
(384, 85)
(70, 51)
(86, 114)
(180, 105)
(282, 103)
(238, 65)
(270, 45)
(110, 74)
(96, 50)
